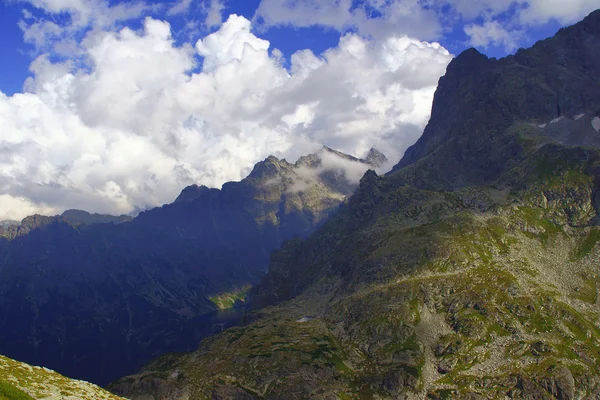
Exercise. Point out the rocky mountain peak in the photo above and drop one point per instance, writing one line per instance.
(191, 193)
(479, 98)
(270, 167)
(376, 158)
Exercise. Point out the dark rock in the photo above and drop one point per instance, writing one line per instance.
(561, 383)
(446, 365)
(479, 98)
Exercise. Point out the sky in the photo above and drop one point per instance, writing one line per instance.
(115, 107)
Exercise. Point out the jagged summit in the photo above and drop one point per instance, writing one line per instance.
(320, 161)
(191, 193)
(84, 217)
(376, 158)
(479, 98)
(270, 167)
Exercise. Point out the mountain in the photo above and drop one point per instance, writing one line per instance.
(20, 381)
(11, 229)
(84, 217)
(468, 272)
(96, 301)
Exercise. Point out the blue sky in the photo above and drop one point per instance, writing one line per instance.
(114, 107)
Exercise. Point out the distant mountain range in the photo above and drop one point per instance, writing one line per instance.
(468, 272)
(95, 296)
(10, 229)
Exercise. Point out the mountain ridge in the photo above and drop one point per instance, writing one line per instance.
(150, 285)
(468, 272)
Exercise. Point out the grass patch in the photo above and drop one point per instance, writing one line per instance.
(10, 392)
(585, 246)
(228, 300)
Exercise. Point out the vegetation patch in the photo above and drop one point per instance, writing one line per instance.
(9, 392)
(228, 300)
(585, 246)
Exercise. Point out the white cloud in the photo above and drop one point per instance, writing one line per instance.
(180, 7)
(135, 125)
(214, 13)
(232, 42)
(526, 12)
(492, 33)
(17, 207)
(393, 17)
(125, 120)
(84, 15)
(539, 12)
(471, 9)
(506, 21)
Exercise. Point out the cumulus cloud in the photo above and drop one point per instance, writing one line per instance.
(492, 33)
(525, 12)
(500, 23)
(506, 21)
(46, 35)
(375, 18)
(180, 7)
(565, 12)
(114, 119)
(142, 117)
(214, 12)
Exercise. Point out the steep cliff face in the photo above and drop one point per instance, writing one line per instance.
(478, 99)
(140, 288)
(469, 272)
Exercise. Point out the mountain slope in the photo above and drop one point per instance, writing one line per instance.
(468, 272)
(19, 381)
(140, 288)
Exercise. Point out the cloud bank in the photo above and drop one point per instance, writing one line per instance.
(499, 23)
(116, 119)
(124, 119)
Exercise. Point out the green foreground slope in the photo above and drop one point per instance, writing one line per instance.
(20, 381)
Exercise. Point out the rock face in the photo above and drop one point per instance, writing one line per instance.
(469, 272)
(20, 381)
(558, 77)
(97, 300)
